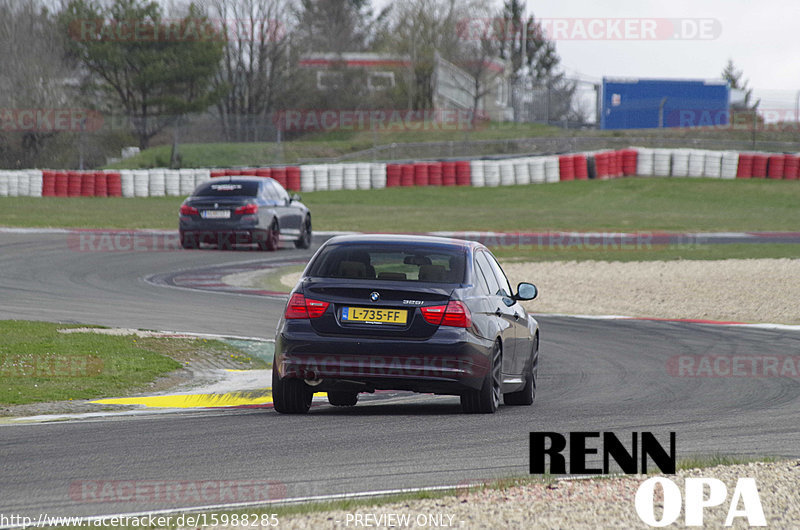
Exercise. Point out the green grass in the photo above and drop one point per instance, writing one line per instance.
(39, 364)
(633, 204)
(319, 145)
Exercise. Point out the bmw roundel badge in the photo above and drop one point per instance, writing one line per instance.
(374, 296)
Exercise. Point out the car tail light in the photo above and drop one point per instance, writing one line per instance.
(246, 209)
(454, 314)
(301, 307)
(188, 210)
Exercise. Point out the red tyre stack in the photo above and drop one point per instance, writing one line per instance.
(581, 168)
(217, 173)
(263, 172)
(114, 184)
(421, 174)
(435, 174)
(74, 184)
(448, 173)
(745, 168)
(463, 173)
(566, 167)
(232, 172)
(629, 159)
(393, 175)
(760, 166)
(290, 176)
(62, 183)
(791, 167)
(407, 175)
(618, 159)
(601, 166)
(776, 166)
(100, 184)
(87, 184)
(48, 184)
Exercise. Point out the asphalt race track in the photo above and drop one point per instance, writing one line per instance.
(595, 376)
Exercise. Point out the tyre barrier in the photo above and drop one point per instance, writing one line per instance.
(600, 165)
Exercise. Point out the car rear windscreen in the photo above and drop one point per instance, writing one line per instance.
(228, 189)
(437, 264)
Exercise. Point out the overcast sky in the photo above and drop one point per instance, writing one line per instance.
(762, 38)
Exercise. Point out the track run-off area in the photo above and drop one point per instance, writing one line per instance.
(595, 375)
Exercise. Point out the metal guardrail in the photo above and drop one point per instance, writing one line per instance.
(539, 146)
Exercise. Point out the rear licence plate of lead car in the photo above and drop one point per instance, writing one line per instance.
(216, 214)
(369, 315)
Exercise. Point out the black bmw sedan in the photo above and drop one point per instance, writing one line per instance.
(232, 211)
(390, 312)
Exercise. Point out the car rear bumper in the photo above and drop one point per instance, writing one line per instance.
(449, 362)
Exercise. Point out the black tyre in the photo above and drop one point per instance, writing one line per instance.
(528, 392)
(290, 396)
(272, 240)
(341, 398)
(305, 234)
(487, 399)
(188, 240)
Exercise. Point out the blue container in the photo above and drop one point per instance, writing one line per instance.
(653, 103)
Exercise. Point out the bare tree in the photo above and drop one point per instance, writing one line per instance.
(35, 76)
(256, 64)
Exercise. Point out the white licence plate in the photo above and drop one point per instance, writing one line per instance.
(216, 214)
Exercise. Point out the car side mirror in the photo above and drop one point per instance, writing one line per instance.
(526, 291)
(294, 198)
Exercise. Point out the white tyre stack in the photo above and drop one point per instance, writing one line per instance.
(697, 161)
(536, 169)
(730, 164)
(127, 183)
(551, 170)
(713, 164)
(3, 183)
(13, 183)
(172, 182)
(662, 162)
(186, 181)
(23, 183)
(506, 173)
(141, 181)
(335, 176)
(522, 172)
(321, 182)
(350, 176)
(378, 176)
(680, 163)
(491, 173)
(644, 161)
(200, 176)
(477, 170)
(157, 184)
(364, 177)
(35, 182)
(306, 178)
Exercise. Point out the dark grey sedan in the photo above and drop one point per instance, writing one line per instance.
(389, 312)
(232, 211)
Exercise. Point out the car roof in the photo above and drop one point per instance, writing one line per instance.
(403, 238)
(238, 178)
